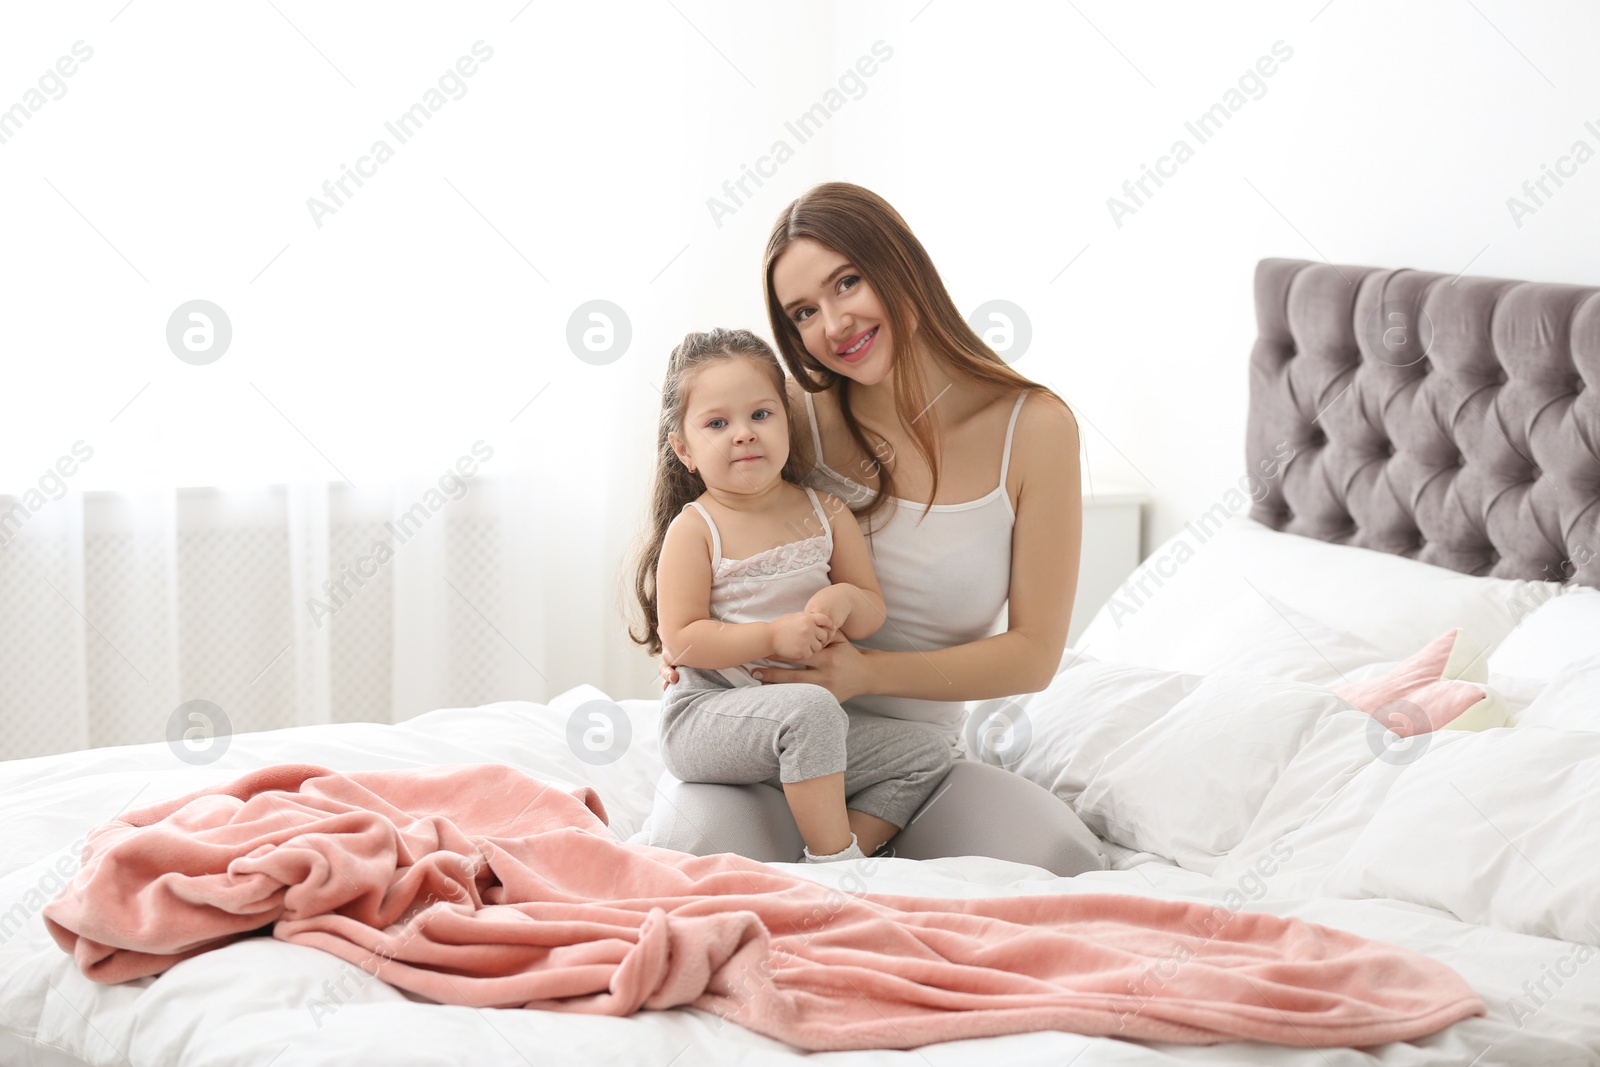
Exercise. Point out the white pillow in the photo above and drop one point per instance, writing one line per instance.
(1559, 632)
(1189, 785)
(1569, 701)
(1251, 632)
(1162, 761)
(1181, 594)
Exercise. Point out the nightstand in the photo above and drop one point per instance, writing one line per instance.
(1112, 546)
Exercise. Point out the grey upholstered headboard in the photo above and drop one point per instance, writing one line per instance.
(1454, 420)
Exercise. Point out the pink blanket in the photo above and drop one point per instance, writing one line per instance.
(479, 885)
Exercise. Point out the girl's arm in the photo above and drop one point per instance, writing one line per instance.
(853, 601)
(690, 637)
(1046, 542)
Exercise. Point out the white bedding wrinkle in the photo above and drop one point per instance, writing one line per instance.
(1339, 813)
(1501, 828)
(1338, 751)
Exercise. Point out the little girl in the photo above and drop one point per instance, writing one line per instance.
(800, 577)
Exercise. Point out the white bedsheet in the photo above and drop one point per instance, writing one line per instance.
(260, 1001)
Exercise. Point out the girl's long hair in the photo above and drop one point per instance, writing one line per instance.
(861, 226)
(675, 484)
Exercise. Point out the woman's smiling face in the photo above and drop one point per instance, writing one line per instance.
(841, 321)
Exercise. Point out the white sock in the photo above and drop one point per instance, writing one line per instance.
(852, 853)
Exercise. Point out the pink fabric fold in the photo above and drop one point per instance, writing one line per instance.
(1414, 697)
(478, 885)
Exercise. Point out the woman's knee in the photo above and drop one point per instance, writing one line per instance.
(983, 810)
(703, 819)
(918, 756)
(929, 752)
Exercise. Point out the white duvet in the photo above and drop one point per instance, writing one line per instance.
(1479, 852)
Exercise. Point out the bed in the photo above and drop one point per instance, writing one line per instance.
(1422, 457)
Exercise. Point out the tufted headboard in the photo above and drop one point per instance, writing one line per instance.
(1453, 420)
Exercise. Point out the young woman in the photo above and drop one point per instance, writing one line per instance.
(964, 476)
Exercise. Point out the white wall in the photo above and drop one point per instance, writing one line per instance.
(178, 163)
(1392, 137)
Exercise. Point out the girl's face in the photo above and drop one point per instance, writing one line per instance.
(840, 318)
(734, 432)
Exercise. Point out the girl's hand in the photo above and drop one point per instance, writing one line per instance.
(840, 668)
(798, 634)
(832, 602)
(669, 673)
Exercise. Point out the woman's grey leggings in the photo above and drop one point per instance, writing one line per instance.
(976, 810)
(713, 731)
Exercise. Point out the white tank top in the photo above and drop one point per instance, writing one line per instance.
(945, 577)
(759, 588)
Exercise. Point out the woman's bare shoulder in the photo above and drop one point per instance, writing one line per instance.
(1046, 432)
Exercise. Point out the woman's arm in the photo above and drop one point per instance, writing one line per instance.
(854, 601)
(1046, 543)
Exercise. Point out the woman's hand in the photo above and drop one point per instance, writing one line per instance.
(797, 635)
(841, 668)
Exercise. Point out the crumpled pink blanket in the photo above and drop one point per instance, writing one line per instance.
(478, 885)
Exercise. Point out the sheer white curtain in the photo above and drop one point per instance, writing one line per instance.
(291, 605)
(370, 348)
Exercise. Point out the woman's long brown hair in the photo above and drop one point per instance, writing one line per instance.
(861, 226)
(675, 484)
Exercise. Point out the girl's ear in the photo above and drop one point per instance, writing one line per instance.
(677, 447)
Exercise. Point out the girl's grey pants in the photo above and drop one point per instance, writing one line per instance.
(713, 731)
(900, 771)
